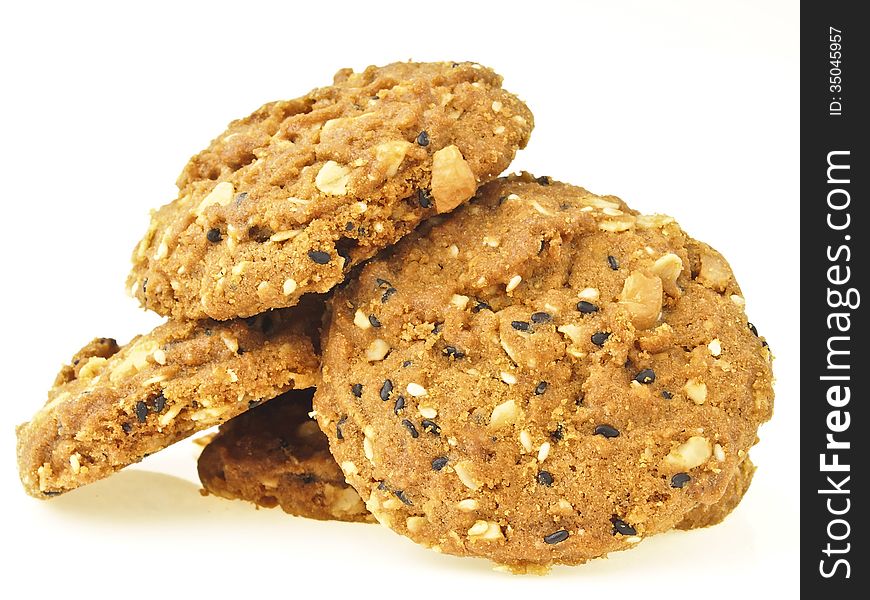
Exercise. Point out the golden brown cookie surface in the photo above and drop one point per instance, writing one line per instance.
(542, 377)
(285, 200)
(276, 455)
(113, 406)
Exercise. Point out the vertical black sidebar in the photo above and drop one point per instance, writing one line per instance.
(835, 362)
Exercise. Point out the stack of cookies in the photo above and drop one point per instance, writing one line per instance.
(385, 331)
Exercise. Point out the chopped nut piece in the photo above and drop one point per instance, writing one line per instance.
(485, 530)
(289, 287)
(715, 272)
(377, 350)
(453, 181)
(642, 296)
(221, 194)
(696, 391)
(348, 468)
(715, 347)
(690, 454)
(415, 524)
(463, 471)
(503, 414)
(361, 320)
(668, 269)
(332, 179)
(391, 154)
(459, 301)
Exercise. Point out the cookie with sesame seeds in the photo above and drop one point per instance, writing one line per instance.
(113, 406)
(552, 377)
(286, 200)
(276, 455)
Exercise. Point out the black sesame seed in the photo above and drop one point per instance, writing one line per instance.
(319, 256)
(386, 390)
(646, 376)
(406, 364)
(159, 402)
(374, 321)
(453, 352)
(214, 235)
(557, 434)
(423, 139)
(50, 494)
(479, 306)
(410, 427)
(556, 537)
(439, 463)
(614, 264)
(356, 390)
(753, 329)
(545, 478)
(400, 494)
(382, 283)
(520, 325)
(382, 486)
(141, 411)
(541, 317)
(764, 344)
(308, 478)
(437, 329)
(541, 388)
(349, 226)
(621, 527)
(241, 196)
(388, 293)
(431, 427)
(338, 433)
(599, 337)
(667, 395)
(399, 405)
(586, 307)
(679, 480)
(424, 198)
(607, 431)
(126, 427)
(543, 180)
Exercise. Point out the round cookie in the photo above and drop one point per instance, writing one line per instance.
(287, 199)
(113, 406)
(275, 455)
(552, 377)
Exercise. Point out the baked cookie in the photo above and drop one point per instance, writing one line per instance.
(551, 377)
(275, 455)
(287, 199)
(705, 515)
(113, 406)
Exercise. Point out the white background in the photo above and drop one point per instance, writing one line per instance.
(687, 108)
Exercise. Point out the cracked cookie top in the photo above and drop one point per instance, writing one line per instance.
(287, 199)
(543, 376)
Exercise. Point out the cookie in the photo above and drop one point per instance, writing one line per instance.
(287, 199)
(275, 455)
(705, 515)
(114, 406)
(551, 378)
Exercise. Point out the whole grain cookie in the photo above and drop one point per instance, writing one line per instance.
(113, 406)
(551, 377)
(276, 455)
(287, 199)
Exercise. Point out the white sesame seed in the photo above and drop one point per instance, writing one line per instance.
(416, 390)
(526, 440)
(427, 412)
(467, 505)
(589, 293)
(543, 451)
(513, 283)
(508, 378)
(496, 106)
(454, 250)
